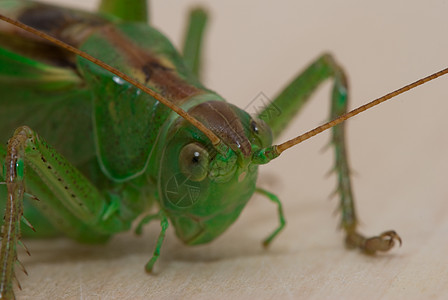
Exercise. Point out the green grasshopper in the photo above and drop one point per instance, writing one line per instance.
(102, 175)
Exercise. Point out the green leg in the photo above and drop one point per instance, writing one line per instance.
(281, 216)
(193, 40)
(289, 102)
(127, 10)
(10, 228)
(34, 216)
(65, 196)
(164, 226)
(144, 221)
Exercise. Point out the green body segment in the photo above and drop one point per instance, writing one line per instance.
(127, 122)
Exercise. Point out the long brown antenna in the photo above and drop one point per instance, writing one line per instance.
(213, 137)
(288, 144)
(263, 156)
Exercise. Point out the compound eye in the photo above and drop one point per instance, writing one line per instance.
(194, 161)
(254, 127)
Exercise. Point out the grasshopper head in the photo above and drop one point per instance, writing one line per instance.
(203, 191)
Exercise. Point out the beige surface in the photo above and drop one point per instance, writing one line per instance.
(399, 152)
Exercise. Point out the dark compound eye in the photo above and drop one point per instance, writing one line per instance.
(194, 161)
(254, 126)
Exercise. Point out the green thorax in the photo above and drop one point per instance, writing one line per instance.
(127, 122)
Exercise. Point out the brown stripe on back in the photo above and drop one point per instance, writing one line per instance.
(224, 122)
(70, 26)
(73, 27)
(155, 72)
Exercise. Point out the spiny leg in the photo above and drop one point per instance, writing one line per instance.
(67, 198)
(281, 216)
(14, 168)
(289, 102)
(192, 47)
(386, 240)
(31, 214)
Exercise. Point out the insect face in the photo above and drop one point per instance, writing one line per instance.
(209, 189)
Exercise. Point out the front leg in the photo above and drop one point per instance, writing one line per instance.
(14, 168)
(67, 199)
(289, 102)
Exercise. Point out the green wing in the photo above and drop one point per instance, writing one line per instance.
(50, 100)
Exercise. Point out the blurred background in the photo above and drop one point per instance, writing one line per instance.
(398, 152)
